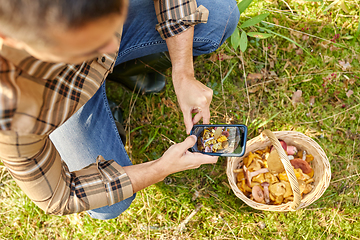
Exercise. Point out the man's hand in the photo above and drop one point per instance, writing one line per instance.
(193, 96)
(177, 158)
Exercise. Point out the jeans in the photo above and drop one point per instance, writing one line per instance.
(91, 131)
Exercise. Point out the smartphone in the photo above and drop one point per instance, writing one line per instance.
(220, 139)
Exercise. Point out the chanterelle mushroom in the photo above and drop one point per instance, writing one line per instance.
(258, 194)
(277, 189)
(249, 175)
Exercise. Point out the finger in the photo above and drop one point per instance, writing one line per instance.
(188, 142)
(204, 158)
(197, 118)
(188, 121)
(206, 116)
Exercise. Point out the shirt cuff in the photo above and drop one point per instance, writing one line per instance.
(176, 19)
(117, 183)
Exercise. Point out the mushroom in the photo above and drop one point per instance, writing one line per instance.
(218, 132)
(279, 200)
(299, 163)
(309, 158)
(225, 133)
(249, 175)
(249, 159)
(277, 189)
(255, 165)
(308, 188)
(270, 178)
(258, 194)
(302, 186)
(265, 185)
(304, 155)
(259, 178)
(288, 190)
(240, 176)
(274, 163)
(291, 150)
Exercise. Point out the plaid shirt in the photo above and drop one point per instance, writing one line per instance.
(37, 97)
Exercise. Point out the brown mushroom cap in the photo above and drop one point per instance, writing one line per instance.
(258, 194)
(303, 165)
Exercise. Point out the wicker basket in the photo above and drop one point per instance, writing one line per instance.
(320, 164)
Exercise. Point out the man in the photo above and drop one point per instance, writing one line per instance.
(57, 135)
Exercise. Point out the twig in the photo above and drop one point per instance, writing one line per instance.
(132, 105)
(331, 116)
(355, 175)
(227, 226)
(171, 141)
(288, 6)
(246, 86)
(182, 225)
(310, 35)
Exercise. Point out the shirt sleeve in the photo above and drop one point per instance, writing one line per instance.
(37, 168)
(176, 16)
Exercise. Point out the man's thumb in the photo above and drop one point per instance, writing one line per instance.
(189, 141)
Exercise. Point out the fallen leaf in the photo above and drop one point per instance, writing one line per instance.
(296, 34)
(297, 97)
(168, 103)
(195, 195)
(344, 65)
(333, 48)
(299, 51)
(272, 64)
(328, 59)
(305, 37)
(312, 100)
(349, 93)
(324, 44)
(219, 57)
(272, 74)
(276, 21)
(254, 89)
(253, 77)
(223, 56)
(351, 81)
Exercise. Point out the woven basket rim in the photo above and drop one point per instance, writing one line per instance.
(321, 166)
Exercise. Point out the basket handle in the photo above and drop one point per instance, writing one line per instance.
(288, 168)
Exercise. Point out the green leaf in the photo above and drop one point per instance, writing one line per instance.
(243, 5)
(149, 141)
(228, 73)
(235, 39)
(254, 20)
(259, 35)
(289, 39)
(347, 37)
(243, 41)
(357, 33)
(268, 120)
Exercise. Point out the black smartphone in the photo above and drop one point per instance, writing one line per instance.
(220, 139)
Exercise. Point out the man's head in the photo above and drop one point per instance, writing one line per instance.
(62, 30)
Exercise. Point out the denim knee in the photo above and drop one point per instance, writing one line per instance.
(113, 211)
(223, 19)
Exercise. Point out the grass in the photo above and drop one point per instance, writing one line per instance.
(199, 204)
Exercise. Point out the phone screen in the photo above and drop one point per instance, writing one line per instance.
(221, 140)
